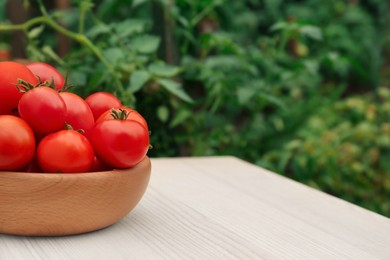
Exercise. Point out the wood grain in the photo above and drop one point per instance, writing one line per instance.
(63, 204)
(222, 208)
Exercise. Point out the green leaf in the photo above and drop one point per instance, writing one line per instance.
(145, 43)
(129, 27)
(163, 113)
(223, 61)
(273, 99)
(163, 70)
(180, 117)
(113, 55)
(136, 3)
(138, 79)
(86, 5)
(35, 53)
(311, 31)
(3, 9)
(98, 30)
(278, 26)
(77, 78)
(175, 88)
(183, 21)
(35, 32)
(48, 50)
(97, 78)
(245, 94)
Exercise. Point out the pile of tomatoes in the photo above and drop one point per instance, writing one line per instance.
(44, 128)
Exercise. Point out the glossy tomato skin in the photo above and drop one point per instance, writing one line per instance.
(10, 72)
(132, 115)
(100, 102)
(65, 151)
(47, 73)
(43, 109)
(17, 143)
(120, 143)
(79, 114)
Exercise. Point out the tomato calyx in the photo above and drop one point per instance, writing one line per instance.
(69, 127)
(120, 114)
(24, 86)
(67, 86)
(52, 84)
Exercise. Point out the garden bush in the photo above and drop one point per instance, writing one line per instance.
(343, 149)
(261, 80)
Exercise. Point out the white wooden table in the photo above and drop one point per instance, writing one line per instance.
(222, 208)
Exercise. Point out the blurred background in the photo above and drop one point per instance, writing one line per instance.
(300, 87)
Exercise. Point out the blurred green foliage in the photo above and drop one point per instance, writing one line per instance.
(282, 84)
(343, 149)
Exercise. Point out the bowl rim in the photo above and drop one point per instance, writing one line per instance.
(130, 184)
(63, 174)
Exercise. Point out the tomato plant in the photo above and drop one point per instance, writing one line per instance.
(100, 102)
(120, 143)
(9, 93)
(43, 109)
(78, 114)
(17, 143)
(47, 73)
(65, 151)
(131, 115)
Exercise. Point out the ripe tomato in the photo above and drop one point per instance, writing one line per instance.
(131, 115)
(33, 166)
(65, 151)
(43, 109)
(4, 54)
(120, 143)
(47, 73)
(78, 113)
(9, 93)
(100, 102)
(98, 166)
(17, 143)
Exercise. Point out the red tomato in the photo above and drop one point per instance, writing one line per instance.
(100, 102)
(120, 143)
(65, 151)
(43, 109)
(132, 115)
(17, 143)
(78, 113)
(98, 166)
(33, 166)
(9, 93)
(4, 54)
(47, 73)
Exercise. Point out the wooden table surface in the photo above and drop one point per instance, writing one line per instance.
(222, 208)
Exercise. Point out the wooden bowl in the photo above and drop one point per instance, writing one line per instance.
(39, 204)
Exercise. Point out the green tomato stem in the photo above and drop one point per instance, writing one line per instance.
(79, 37)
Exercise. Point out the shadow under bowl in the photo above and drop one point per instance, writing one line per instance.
(40, 204)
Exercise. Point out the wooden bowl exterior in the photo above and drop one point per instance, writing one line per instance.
(37, 204)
